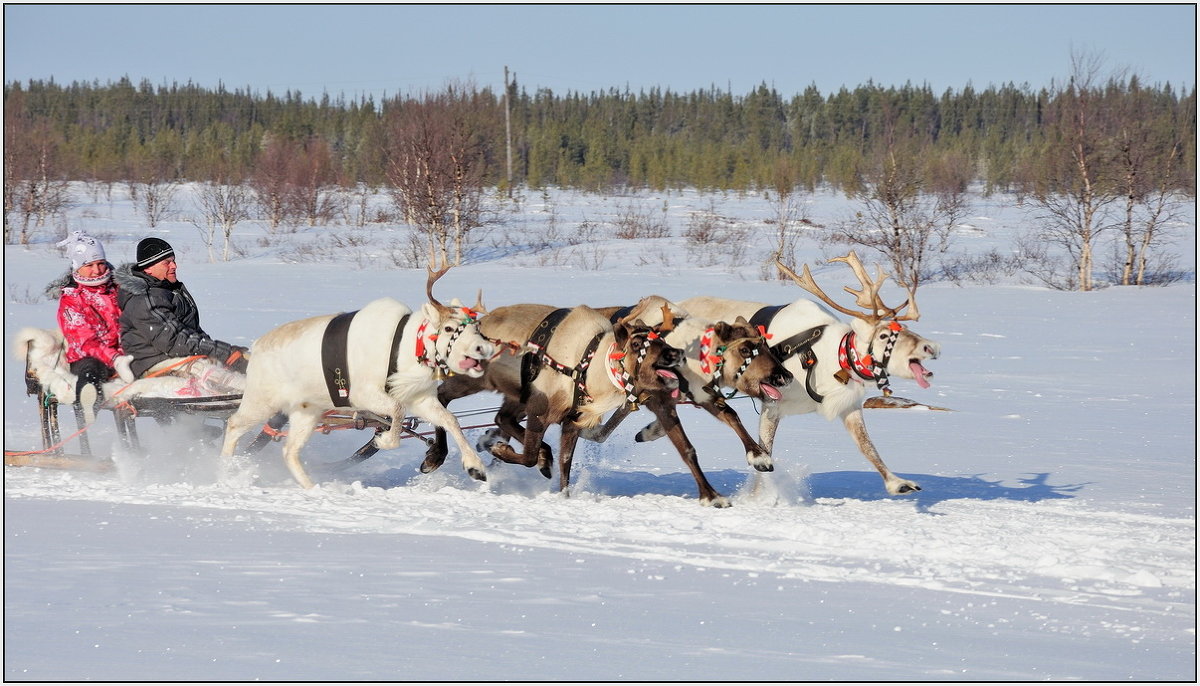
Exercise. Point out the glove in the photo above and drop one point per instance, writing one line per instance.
(91, 371)
(121, 365)
(238, 360)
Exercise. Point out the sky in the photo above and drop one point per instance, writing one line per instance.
(382, 50)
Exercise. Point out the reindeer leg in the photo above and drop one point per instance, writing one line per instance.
(668, 418)
(858, 430)
(247, 415)
(302, 426)
(432, 411)
(768, 424)
(756, 455)
(435, 455)
(566, 453)
(601, 434)
(508, 419)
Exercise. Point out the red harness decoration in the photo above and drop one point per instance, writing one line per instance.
(709, 363)
(849, 359)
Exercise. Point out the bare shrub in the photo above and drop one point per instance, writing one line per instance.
(157, 199)
(1036, 260)
(988, 268)
(408, 254)
(590, 259)
(222, 207)
(586, 232)
(715, 239)
(634, 223)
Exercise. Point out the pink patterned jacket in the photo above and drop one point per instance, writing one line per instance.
(90, 321)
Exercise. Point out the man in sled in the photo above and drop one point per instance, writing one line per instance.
(160, 327)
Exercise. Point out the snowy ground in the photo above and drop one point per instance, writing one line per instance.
(1054, 538)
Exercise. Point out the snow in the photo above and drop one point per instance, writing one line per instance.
(1054, 538)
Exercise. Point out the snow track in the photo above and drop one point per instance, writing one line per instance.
(1060, 551)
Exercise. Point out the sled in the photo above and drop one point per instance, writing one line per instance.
(167, 411)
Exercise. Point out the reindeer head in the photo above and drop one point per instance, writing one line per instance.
(888, 345)
(647, 357)
(458, 346)
(741, 358)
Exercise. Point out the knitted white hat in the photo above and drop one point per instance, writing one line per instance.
(82, 249)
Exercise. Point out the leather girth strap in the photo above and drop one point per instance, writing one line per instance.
(334, 361)
(531, 362)
(799, 345)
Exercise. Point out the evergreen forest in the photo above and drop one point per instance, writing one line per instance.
(709, 139)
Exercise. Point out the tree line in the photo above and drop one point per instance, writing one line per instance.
(656, 138)
(1094, 154)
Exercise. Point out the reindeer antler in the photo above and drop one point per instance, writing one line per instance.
(433, 277)
(807, 283)
(668, 319)
(867, 297)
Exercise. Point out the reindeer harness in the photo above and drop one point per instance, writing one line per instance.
(436, 360)
(334, 362)
(532, 362)
(712, 361)
(865, 366)
(849, 359)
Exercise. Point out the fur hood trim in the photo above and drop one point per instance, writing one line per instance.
(128, 280)
(54, 289)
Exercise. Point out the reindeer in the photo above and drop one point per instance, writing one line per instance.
(634, 365)
(719, 355)
(393, 361)
(833, 359)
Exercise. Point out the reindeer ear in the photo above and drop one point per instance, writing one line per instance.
(621, 331)
(742, 320)
(723, 330)
(431, 312)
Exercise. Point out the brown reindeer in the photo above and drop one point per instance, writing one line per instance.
(633, 364)
(719, 355)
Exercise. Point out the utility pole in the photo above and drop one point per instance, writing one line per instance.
(508, 132)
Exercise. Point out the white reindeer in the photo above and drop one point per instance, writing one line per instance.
(833, 361)
(285, 374)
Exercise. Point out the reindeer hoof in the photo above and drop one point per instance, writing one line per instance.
(760, 461)
(490, 438)
(718, 502)
(903, 488)
(477, 474)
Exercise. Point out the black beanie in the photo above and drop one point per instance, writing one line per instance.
(151, 251)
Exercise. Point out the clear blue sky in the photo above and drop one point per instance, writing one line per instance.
(373, 49)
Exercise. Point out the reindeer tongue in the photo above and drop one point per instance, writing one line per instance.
(668, 374)
(770, 391)
(920, 373)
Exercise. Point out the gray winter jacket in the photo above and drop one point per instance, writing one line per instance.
(160, 320)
